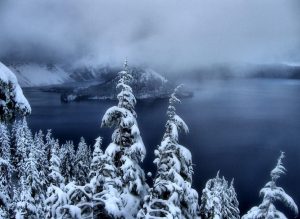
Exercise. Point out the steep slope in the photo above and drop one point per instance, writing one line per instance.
(32, 75)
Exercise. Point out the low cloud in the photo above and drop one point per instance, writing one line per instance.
(169, 35)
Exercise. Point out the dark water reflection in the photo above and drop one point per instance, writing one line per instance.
(236, 126)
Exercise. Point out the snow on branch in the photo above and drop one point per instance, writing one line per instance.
(272, 193)
(12, 99)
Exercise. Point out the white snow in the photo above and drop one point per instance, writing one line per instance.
(151, 74)
(7, 76)
(31, 75)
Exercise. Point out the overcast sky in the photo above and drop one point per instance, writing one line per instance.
(163, 34)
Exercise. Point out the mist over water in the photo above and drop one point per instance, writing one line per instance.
(169, 36)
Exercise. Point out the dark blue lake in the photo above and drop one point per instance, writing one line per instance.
(236, 126)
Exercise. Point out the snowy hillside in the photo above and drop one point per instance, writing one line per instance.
(146, 84)
(31, 74)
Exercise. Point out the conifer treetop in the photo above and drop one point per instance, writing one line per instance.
(175, 123)
(272, 193)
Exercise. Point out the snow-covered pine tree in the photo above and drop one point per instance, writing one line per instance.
(4, 142)
(51, 148)
(25, 207)
(59, 206)
(219, 200)
(127, 149)
(31, 172)
(105, 185)
(97, 159)
(6, 170)
(82, 162)
(56, 196)
(22, 142)
(55, 178)
(47, 150)
(67, 157)
(102, 190)
(56, 199)
(172, 195)
(271, 193)
(12, 101)
(33, 182)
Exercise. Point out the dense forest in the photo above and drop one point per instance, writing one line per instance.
(40, 177)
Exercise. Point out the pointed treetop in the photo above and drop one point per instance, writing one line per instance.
(126, 64)
(98, 142)
(175, 123)
(232, 183)
(172, 102)
(218, 174)
(279, 169)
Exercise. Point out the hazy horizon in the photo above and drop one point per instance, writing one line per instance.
(165, 35)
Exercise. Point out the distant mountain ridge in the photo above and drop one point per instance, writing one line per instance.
(91, 83)
(146, 84)
(34, 74)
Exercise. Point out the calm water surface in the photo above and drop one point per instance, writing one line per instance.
(238, 127)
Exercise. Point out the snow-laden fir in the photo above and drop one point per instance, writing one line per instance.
(43, 178)
(172, 195)
(126, 150)
(219, 200)
(270, 194)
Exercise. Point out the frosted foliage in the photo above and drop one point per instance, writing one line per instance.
(55, 201)
(97, 159)
(174, 124)
(101, 196)
(126, 151)
(5, 171)
(12, 100)
(4, 142)
(25, 207)
(55, 176)
(32, 177)
(82, 162)
(271, 193)
(172, 195)
(219, 200)
(67, 158)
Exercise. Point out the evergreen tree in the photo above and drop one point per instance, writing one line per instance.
(56, 196)
(5, 152)
(127, 150)
(103, 188)
(97, 159)
(219, 200)
(32, 181)
(39, 153)
(5, 171)
(30, 171)
(56, 199)
(12, 101)
(67, 157)
(55, 177)
(105, 185)
(49, 144)
(272, 193)
(171, 195)
(82, 162)
(25, 207)
(22, 142)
